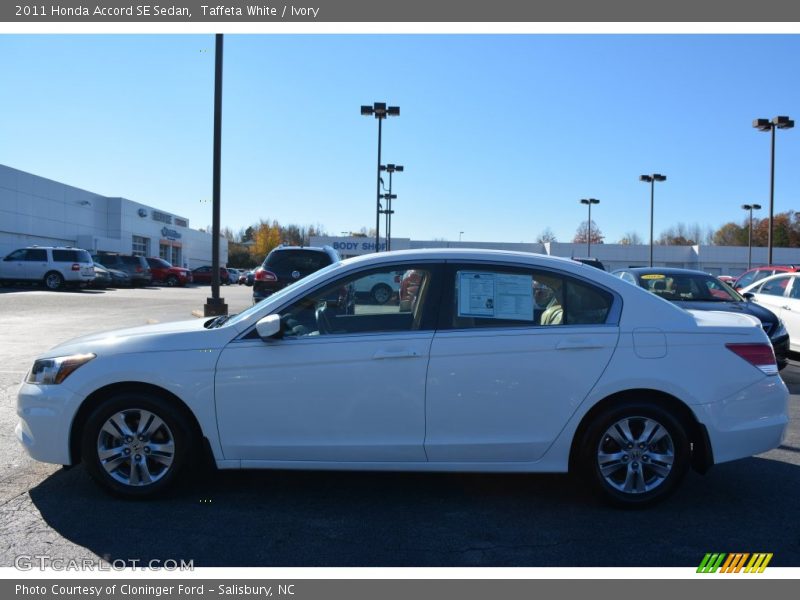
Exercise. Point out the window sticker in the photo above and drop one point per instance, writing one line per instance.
(653, 276)
(495, 295)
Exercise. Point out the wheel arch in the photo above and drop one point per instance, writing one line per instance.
(701, 452)
(100, 395)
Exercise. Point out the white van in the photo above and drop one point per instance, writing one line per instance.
(54, 267)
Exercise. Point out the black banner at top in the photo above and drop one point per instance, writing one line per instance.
(412, 11)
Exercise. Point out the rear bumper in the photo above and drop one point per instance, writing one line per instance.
(752, 421)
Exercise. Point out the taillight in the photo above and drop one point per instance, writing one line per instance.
(139, 269)
(760, 356)
(76, 267)
(264, 275)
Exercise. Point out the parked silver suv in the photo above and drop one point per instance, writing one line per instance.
(54, 267)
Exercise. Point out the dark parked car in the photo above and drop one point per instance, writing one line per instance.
(135, 267)
(102, 278)
(286, 264)
(164, 272)
(203, 275)
(696, 290)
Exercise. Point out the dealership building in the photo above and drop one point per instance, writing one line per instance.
(35, 211)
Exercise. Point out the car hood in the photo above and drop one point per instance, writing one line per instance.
(748, 308)
(177, 335)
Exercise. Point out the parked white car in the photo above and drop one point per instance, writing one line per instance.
(469, 375)
(381, 287)
(54, 267)
(781, 294)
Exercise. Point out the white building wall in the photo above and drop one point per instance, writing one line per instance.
(38, 211)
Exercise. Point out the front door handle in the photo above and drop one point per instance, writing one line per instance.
(383, 354)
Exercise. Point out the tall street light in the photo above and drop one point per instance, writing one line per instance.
(390, 168)
(767, 125)
(215, 305)
(651, 179)
(380, 111)
(589, 202)
(751, 208)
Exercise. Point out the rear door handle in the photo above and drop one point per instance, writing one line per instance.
(786, 308)
(578, 345)
(383, 354)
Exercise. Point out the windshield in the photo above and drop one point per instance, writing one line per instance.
(321, 274)
(688, 287)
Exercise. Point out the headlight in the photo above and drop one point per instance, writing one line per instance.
(51, 371)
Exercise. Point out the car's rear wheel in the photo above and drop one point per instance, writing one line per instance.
(53, 280)
(135, 444)
(381, 293)
(635, 455)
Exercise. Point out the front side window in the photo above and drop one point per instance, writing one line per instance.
(521, 298)
(390, 299)
(776, 287)
(36, 255)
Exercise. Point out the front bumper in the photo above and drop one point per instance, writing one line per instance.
(45, 417)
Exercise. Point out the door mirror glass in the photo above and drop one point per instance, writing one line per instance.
(269, 326)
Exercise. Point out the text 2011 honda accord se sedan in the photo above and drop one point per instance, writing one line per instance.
(500, 362)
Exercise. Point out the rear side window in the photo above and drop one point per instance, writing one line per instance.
(291, 260)
(522, 298)
(71, 256)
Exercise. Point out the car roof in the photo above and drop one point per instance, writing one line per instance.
(661, 271)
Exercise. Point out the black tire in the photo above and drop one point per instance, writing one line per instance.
(122, 474)
(172, 281)
(381, 293)
(619, 450)
(53, 281)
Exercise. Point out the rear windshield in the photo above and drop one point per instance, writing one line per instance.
(131, 260)
(72, 256)
(297, 260)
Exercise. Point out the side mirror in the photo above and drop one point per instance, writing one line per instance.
(269, 326)
(749, 296)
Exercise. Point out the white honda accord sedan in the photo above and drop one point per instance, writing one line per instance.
(498, 362)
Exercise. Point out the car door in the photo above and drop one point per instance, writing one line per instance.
(14, 266)
(515, 354)
(344, 382)
(771, 293)
(790, 312)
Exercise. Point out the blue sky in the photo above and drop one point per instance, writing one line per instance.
(501, 135)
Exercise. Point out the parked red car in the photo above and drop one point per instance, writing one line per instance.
(203, 275)
(164, 272)
(757, 273)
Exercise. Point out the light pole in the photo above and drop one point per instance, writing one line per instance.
(767, 125)
(651, 179)
(380, 111)
(215, 306)
(390, 168)
(751, 208)
(589, 202)
(460, 233)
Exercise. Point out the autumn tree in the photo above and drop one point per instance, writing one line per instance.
(582, 234)
(547, 236)
(631, 238)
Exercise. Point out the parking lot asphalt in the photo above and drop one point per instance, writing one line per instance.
(262, 518)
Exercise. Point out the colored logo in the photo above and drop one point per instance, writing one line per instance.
(735, 563)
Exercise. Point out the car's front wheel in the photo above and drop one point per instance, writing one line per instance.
(172, 281)
(636, 454)
(135, 444)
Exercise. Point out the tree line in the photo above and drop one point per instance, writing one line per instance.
(785, 233)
